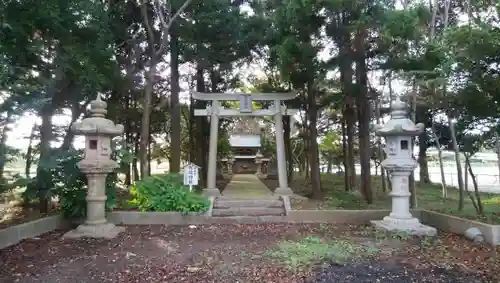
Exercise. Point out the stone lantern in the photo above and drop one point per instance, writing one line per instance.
(97, 164)
(258, 162)
(398, 132)
(230, 163)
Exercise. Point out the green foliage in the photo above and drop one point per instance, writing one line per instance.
(343, 200)
(69, 184)
(166, 193)
(72, 201)
(223, 146)
(312, 249)
(331, 147)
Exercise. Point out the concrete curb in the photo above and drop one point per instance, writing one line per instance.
(457, 225)
(293, 216)
(337, 216)
(14, 234)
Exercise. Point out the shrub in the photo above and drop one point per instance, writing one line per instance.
(71, 186)
(68, 184)
(166, 193)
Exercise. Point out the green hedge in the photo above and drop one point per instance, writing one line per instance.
(166, 193)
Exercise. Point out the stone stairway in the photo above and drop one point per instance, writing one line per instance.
(269, 206)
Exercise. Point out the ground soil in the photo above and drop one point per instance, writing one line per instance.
(239, 253)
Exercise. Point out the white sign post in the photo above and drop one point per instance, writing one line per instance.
(191, 175)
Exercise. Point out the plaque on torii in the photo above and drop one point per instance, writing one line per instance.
(246, 103)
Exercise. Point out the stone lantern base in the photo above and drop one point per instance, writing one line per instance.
(412, 226)
(105, 230)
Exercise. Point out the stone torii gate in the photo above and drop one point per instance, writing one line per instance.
(215, 111)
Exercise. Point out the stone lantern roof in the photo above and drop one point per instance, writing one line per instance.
(96, 124)
(399, 124)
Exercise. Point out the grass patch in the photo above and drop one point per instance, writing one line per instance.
(428, 197)
(311, 250)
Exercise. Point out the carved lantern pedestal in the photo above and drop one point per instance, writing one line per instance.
(258, 162)
(230, 163)
(261, 163)
(227, 167)
(97, 164)
(398, 132)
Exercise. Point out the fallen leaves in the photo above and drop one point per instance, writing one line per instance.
(237, 253)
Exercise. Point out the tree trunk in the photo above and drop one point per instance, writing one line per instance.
(76, 112)
(149, 153)
(288, 147)
(422, 158)
(497, 145)
(192, 148)
(201, 128)
(135, 160)
(128, 143)
(348, 113)
(345, 161)
(471, 197)
(307, 150)
(363, 110)
(312, 111)
(466, 173)
(44, 176)
(3, 146)
(29, 151)
(175, 113)
(458, 164)
(480, 208)
(145, 120)
(351, 169)
(364, 149)
(380, 149)
(128, 171)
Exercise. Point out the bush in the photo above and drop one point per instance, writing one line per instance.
(166, 193)
(72, 199)
(68, 184)
(71, 186)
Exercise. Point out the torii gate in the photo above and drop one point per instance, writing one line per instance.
(216, 110)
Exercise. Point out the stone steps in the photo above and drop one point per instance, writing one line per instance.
(248, 203)
(248, 207)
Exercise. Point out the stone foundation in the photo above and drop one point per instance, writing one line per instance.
(106, 231)
(412, 226)
(283, 192)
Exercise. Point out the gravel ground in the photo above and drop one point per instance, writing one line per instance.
(239, 253)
